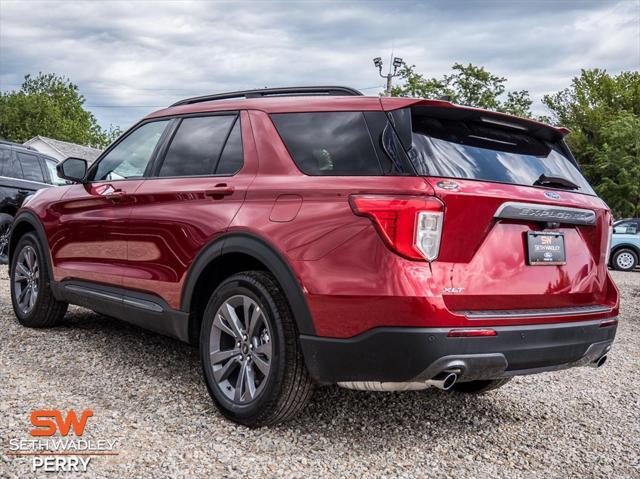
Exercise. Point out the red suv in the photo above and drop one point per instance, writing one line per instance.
(309, 236)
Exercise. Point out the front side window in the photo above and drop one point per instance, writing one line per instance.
(130, 157)
(55, 179)
(196, 146)
(31, 169)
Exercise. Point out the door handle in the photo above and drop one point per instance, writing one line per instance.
(219, 191)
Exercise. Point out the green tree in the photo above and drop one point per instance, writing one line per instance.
(603, 113)
(50, 105)
(467, 85)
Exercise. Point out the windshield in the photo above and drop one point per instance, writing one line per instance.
(467, 150)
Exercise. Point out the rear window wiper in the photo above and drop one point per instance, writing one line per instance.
(556, 182)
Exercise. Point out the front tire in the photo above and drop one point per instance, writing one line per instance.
(625, 260)
(30, 280)
(479, 386)
(251, 359)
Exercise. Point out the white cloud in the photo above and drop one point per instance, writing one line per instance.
(145, 55)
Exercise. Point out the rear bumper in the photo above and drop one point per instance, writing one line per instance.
(415, 354)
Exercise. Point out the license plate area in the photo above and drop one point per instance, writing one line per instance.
(545, 248)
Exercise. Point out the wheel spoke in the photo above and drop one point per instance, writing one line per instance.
(264, 349)
(29, 258)
(23, 294)
(261, 364)
(240, 382)
(230, 315)
(33, 294)
(22, 270)
(254, 321)
(250, 381)
(220, 356)
(219, 323)
(224, 372)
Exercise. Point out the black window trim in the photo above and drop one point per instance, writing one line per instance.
(158, 160)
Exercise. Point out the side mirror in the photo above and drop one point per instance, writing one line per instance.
(619, 229)
(72, 169)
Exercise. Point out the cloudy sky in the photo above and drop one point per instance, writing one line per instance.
(133, 57)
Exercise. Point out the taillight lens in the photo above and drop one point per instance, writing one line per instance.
(409, 225)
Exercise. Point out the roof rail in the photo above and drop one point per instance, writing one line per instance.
(12, 143)
(266, 92)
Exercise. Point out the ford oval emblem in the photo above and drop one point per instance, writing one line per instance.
(448, 185)
(552, 195)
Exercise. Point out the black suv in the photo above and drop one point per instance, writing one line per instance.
(23, 170)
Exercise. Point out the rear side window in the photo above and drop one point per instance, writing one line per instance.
(31, 168)
(336, 143)
(9, 165)
(196, 146)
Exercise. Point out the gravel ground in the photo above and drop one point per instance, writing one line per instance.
(147, 392)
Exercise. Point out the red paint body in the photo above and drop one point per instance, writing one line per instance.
(147, 237)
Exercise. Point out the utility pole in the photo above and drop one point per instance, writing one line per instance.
(397, 63)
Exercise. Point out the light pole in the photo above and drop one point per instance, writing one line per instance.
(397, 63)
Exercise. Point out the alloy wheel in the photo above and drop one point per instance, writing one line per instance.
(26, 279)
(625, 260)
(240, 349)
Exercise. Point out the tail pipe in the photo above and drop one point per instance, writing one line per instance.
(444, 380)
(599, 362)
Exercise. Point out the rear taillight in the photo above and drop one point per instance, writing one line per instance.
(409, 225)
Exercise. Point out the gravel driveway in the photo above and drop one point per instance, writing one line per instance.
(146, 391)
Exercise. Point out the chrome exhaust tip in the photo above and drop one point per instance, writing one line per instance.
(444, 380)
(598, 363)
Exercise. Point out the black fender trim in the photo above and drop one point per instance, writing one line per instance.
(27, 216)
(261, 250)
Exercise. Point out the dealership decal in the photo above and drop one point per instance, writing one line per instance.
(68, 451)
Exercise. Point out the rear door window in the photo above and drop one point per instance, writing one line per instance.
(337, 143)
(232, 157)
(31, 168)
(196, 146)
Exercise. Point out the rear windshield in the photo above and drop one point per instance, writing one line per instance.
(476, 150)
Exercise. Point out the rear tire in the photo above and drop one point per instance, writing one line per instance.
(5, 229)
(480, 386)
(625, 260)
(251, 359)
(30, 283)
